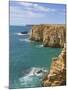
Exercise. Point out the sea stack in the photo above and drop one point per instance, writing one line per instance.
(51, 35)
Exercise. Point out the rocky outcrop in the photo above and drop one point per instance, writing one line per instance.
(37, 32)
(57, 73)
(49, 35)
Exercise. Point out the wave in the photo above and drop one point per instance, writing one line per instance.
(20, 34)
(29, 82)
(33, 78)
(35, 71)
(26, 40)
(39, 46)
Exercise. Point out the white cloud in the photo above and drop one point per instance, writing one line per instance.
(27, 4)
(45, 9)
(37, 7)
(28, 13)
(16, 12)
(34, 15)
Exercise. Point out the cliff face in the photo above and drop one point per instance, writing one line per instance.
(37, 33)
(57, 73)
(52, 36)
(49, 35)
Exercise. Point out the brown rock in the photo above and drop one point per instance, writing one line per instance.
(57, 73)
(50, 35)
(47, 83)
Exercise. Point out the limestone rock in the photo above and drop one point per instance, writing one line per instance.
(49, 35)
(57, 73)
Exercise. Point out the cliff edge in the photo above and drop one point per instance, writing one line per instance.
(57, 73)
(52, 35)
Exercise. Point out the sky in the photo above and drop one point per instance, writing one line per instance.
(23, 13)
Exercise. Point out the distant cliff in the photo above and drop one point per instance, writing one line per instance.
(52, 35)
(57, 73)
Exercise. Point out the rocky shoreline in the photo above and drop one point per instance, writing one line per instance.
(52, 36)
(57, 73)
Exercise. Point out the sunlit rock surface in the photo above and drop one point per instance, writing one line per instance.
(57, 73)
(52, 35)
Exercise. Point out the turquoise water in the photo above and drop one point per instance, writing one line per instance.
(26, 56)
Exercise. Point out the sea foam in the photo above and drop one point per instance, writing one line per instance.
(35, 71)
(26, 40)
(20, 34)
(33, 77)
(39, 46)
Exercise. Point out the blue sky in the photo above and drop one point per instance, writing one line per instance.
(22, 13)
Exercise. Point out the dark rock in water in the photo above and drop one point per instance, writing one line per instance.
(40, 71)
(25, 32)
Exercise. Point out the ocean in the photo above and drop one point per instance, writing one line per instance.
(28, 60)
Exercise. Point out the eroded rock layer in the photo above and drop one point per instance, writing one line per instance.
(50, 35)
(57, 73)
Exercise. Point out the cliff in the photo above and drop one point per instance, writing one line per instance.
(57, 73)
(50, 35)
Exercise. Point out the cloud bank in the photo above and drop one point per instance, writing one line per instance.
(27, 12)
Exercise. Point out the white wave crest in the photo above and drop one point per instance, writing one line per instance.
(39, 46)
(26, 40)
(20, 34)
(33, 78)
(35, 71)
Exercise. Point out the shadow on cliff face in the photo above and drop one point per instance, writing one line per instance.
(49, 35)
